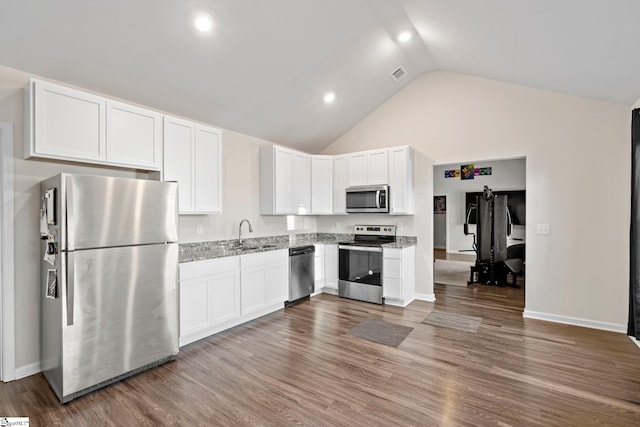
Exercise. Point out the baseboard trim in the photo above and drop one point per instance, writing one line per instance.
(28, 370)
(426, 297)
(635, 341)
(397, 302)
(331, 291)
(575, 321)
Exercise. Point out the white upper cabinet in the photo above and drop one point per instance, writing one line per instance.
(339, 184)
(283, 176)
(208, 170)
(134, 136)
(322, 185)
(64, 123)
(357, 169)
(294, 183)
(368, 168)
(377, 167)
(67, 124)
(401, 181)
(301, 183)
(285, 181)
(193, 158)
(178, 156)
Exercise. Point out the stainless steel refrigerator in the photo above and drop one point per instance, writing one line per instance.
(109, 274)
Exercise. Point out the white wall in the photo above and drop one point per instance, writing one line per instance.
(577, 178)
(241, 200)
(505, 175)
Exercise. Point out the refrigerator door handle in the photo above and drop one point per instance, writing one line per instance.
(70, 288)
(71, 217)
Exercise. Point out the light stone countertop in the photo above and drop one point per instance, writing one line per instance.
(200, 251)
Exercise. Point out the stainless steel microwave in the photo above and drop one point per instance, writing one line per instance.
(367, 199)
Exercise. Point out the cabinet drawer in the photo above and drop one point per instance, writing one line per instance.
(195, 269)
(392, 253)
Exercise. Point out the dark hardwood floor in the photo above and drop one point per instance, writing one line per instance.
(299, 366)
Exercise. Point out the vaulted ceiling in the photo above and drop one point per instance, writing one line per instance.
(265, 66)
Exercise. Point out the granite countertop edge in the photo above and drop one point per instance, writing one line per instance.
(202, 251)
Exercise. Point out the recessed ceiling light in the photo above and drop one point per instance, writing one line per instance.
(404, 36)
(203, 22)
(329, 97)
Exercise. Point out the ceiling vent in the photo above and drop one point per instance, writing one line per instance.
(398, 74)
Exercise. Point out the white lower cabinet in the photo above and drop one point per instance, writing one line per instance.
(221, 293)
(331, 269)
(265, 281)
(398, 275)
(318, 269)
(209, 297)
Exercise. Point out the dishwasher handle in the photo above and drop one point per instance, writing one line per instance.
(302, 250)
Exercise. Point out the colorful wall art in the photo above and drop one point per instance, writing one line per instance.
(467, 171)
(458, 173)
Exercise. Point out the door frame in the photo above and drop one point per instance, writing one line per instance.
(7, 298)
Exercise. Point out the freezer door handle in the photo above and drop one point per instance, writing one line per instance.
(70, 288)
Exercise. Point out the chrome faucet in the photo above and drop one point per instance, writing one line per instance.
(240, 230)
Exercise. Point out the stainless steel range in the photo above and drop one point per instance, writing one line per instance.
(360, 262)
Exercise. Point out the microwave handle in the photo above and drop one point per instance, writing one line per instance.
(378, 199)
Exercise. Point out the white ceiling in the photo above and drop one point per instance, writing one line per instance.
(265, 66)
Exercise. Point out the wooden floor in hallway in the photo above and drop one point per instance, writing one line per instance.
(299, 366)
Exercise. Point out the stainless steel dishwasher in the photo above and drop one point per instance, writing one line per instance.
(301, 273)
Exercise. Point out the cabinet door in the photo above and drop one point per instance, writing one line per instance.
(195, 298)
(134, 136)
(283, 187)
(339, 184)
(377, 167)
(331, 266)
(277, 283)
(179, 137)
(253, 292)
(319, 268)
(357, 169)
(69, 124)
(392, 280)
(301, 183)
(208, 170)
(401, 180)
(321, 185)
(225, 304)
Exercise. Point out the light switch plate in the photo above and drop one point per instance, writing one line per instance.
(542, 229)
(199, 229)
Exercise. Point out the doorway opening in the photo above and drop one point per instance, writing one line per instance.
(461, 265)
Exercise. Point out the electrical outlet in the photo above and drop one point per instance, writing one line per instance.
(199, 229)
(337, 225)
(542, 229)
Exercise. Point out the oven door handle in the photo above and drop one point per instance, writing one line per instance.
(360, 248)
